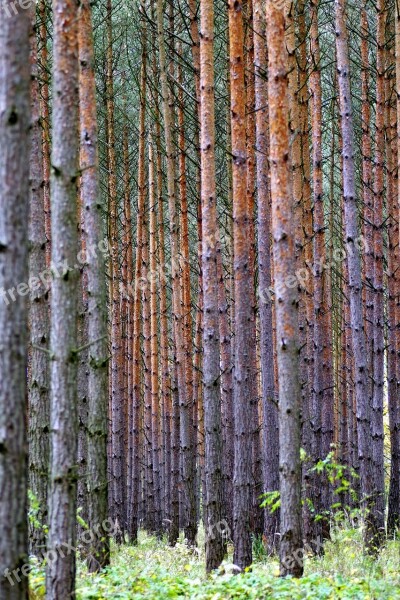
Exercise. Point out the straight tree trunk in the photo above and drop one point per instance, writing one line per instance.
(257, 485)
(97, 329)
(60, 577)
(39, 405)
(14, 206)
(211, 345)
(164, 350)
(393, 520)
(134, 418)
(367, 192)
(150, 505)
(155, 401)
(286, 302)
(118, 492)
(242, 374)
(322, 403)
(354, 270)
(377, 427)
(186, 422)
(43, 65)
(270, 408)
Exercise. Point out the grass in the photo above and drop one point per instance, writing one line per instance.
(152, 570)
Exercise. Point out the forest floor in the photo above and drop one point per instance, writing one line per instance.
(152, 570)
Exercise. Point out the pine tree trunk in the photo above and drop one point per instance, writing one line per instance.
(60, 579)
(354, 270)
(97, 329)
(43, 66)
(379, 301)
(15, 80)
(118, 492)
(211, 345)
(39, 407)
(393, 520)
(285, 294)
(242, 373)
(155, 402)
(134, 458)
(322, 402)
(186, 422)
(270, 409)
(165, 374)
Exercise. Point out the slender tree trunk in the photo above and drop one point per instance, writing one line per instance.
(322, 403)
(393, 521)
(45, 119)
(242, 373)
(134, 457)
(39, 409)
(354, 269)
(117, 412)
(379, 301)
(285, 295)
(186, 422)
(155, 401)
(211, 348)
(165, 373)
(270, 408)
(14, 206)
(150, 505)
(257, 515)
(97, 328)
(60, 579)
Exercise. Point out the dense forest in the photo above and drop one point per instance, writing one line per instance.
(199, 299)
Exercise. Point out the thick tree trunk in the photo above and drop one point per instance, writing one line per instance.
(14, 209)
(285, 294)
(60, 580)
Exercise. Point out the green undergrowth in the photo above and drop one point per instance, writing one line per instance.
(152, 570)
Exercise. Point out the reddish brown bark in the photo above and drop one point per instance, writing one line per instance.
(286, 306)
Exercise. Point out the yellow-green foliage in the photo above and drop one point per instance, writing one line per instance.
(152, 570)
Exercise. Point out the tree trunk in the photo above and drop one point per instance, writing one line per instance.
(270, 408)
(242, 373)
(97, 329)
(39, 408)
(60, 579)
(354, 269)
(379, 301)
(186, 422)
(14, 206)
(117, 412)
(285, 294)
(211, 349)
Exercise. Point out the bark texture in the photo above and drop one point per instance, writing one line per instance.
(14, 208)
